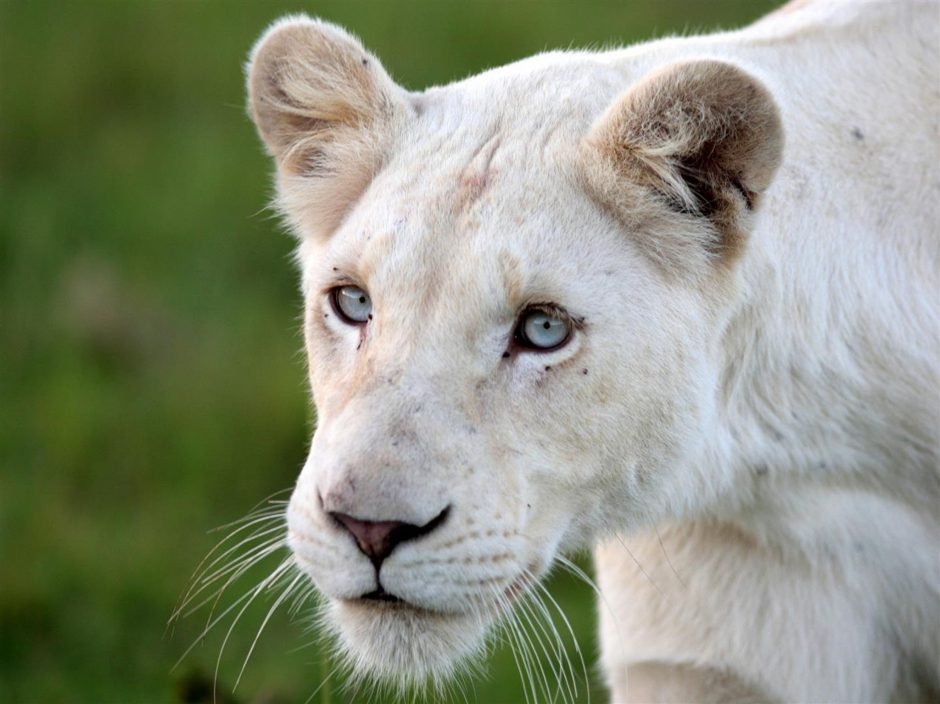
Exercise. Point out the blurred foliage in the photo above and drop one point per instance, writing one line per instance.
(151, 380)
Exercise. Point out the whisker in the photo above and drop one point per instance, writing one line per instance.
(278, 572)
(266, 502)
(204, 582)
(567, 676)
(323, 683)
(534, 667)
(583, 576)
(632, 557)
(211, 625)
(666, 555)
(565, 670)
(201, 568)
(272, 509)
(523, 608)
(301, 598)
(574, 641)
(507, 626)
(243, 567)
(519, 649)
(280, 600)
(210, 577)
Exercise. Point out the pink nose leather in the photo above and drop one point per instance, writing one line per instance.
(377, 539)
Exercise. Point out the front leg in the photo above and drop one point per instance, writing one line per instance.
(668, 683)
(714, 615)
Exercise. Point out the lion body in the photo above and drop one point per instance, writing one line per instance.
(745, 420)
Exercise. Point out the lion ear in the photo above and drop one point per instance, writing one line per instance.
(693, 143)
(327, 112)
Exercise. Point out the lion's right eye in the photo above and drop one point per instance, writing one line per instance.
(542, 331)
(351, 304)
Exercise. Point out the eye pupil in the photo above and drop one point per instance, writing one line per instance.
(546, 325)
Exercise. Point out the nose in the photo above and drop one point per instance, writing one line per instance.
(377, 539)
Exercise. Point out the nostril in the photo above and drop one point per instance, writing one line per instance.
(377, 539)
(434, 522)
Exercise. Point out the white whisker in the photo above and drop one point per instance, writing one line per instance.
(203, 583)
(323, 683)
(243, 567)
(546, 623)
(202, 567)
(278, 572)
(521, 608)
(516, 632)
(639, 566)
(284, 594)
(574, 641)
(666, 555)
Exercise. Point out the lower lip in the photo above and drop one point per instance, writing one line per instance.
(382, 596)
(388, 603)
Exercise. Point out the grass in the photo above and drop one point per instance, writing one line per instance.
(151, 385)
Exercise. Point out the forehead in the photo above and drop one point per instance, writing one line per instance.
(481, 193)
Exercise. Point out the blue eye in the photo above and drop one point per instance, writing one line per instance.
(351, 304)
(540, 330)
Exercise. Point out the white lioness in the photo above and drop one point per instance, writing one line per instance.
(675, 300)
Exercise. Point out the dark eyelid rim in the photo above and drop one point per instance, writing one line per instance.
(340, 281)
(551, 309)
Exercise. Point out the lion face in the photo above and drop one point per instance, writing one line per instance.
(500, 373)
(433, 411)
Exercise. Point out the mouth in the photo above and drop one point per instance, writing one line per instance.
(381, 599)
(381, 595)
(372, 627)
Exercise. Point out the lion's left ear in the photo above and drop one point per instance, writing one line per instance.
(695, 143)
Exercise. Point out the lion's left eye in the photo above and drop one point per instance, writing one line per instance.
(539, 330)
(352, 304)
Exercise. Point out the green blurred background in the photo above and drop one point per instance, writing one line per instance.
(151, 379)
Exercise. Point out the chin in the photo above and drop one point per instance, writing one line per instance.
(404, 645)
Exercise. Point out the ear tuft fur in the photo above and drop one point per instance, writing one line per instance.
(704, 139)
(327, 112)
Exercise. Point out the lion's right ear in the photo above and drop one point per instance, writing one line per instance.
(328, 114)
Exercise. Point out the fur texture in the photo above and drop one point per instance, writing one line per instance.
(744, 228)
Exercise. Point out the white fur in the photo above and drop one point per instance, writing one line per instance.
(776, 426)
